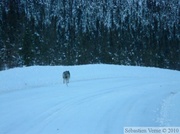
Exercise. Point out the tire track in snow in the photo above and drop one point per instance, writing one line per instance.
(62, 107)
(45, 118)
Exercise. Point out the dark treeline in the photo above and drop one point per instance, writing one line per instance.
(73, 32)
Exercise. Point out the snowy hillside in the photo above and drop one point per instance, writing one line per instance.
(100, 99)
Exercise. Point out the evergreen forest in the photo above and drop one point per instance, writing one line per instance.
(76, 32)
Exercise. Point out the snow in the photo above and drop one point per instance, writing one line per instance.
(100, 99)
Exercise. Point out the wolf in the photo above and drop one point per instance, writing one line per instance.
(66, 77)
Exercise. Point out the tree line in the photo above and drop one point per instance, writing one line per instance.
(75, 32)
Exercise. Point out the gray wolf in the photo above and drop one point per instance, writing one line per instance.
(66, 77)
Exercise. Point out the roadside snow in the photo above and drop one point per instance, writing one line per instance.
(100, 99)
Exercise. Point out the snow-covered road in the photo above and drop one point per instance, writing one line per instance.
(100, 99)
